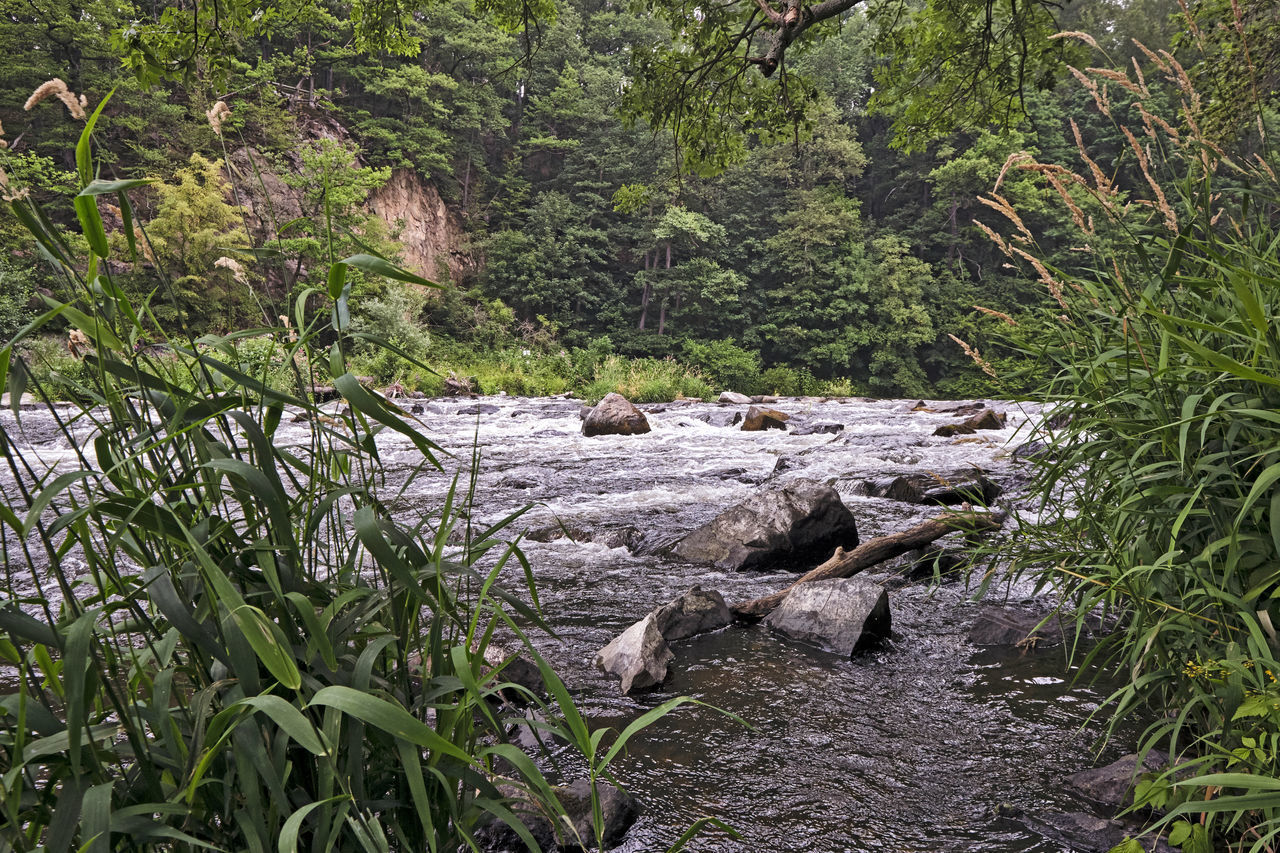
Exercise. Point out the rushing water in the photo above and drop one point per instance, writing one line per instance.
(927, 743)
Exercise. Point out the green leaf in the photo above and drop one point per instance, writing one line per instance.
(84, 155)
(290, 720)
(390, 718)
(268, 643)
(91, 224)
(383, 267)
(98, 187)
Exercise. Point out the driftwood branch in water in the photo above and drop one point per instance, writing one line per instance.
(845, 563)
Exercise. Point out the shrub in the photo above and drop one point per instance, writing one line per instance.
(1162, 487)
(726, 364)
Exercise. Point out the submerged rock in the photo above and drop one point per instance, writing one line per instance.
(479, 409)
(985, 419)
(1086, 833)
(614, 415)
(798, 524)
(696, 612)
(759, 418)
(734, 397)
(639, 656)
(840, 615)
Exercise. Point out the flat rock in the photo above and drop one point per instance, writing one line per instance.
(823, 428)
(997, 626)
(839, 615)
(796, 525)
(479, 409)
(614, 415)
(1086, 833)
(1112, 785)
(639, 656)
(696, 612)
(733, 397)
(760, 418)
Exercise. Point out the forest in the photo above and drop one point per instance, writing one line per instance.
(222, 216)
(828, 248)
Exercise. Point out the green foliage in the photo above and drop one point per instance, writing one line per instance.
(1162, 484)
(728, 365)
(233, 642)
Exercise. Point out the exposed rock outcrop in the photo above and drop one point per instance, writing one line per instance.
(733, 397)
(614, 415)
(795, 525)
(840, 615)
(428, 233)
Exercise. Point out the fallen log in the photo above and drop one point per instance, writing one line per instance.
(845, 563)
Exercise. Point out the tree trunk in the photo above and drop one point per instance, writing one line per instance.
(644, 297)
(845, 563)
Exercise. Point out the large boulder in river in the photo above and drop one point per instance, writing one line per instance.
(734, 397)
(639, 656)
(759, 418)
(796, 525)
(696, 612)
(840, 615)
(614, 415)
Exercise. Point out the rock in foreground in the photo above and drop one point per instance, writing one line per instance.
(614, 415)
(618, 812)
(1112, 785)
(797, 525)
(840, 615)
(639, 656)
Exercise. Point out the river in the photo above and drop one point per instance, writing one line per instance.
(927, 743)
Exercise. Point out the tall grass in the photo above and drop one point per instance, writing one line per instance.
(215, 633)
(1162, 487)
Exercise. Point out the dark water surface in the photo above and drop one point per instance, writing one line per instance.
(927, 743)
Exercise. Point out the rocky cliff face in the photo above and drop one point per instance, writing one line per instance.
(428, 232)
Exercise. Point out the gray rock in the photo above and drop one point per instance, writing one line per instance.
(839, 615)
(823, 428)
(513, 667)
(1086, 833)
(479, 409)
(759, 418)
(614, 415)
(763, 398)
(986, 419)
(797, 525)
(639, 656)
(998, 626)
(619, 811)
(584, 411)
(1112, 785)
(734, 397)
(957, 488)
(724, 418)
(696, 612)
